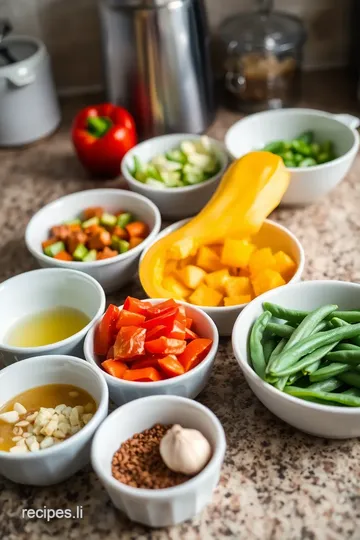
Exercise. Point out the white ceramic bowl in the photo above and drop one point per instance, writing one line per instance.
(321, 420)
(61, 461)
(110, 273)
(188, 385)
(173, 203)
(270, 235)
(161, 507)
(309, 184)
(41, 290)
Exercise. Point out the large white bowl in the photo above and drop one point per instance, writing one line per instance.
(188, 385)
(307, 185)
(173, 203)
(41, 290)
(111, 273)
(160, 507)
(270, 235)
(55, 464)
(321, 420)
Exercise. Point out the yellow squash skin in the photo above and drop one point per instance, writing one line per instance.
(250, 190)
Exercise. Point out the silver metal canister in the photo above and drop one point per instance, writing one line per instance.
(157, 63)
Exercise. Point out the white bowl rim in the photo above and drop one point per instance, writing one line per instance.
(159, 494)
(185, 189)
(103, 404)
(68, 340)
(166, 382)
(228, 309)
(38, 254)
(313, 112)
(245, 366)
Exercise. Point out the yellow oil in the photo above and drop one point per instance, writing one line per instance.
(46, 327)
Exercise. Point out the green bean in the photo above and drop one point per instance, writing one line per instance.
(309, 344)
(313, 367)
(343, 399)
(307, 137)
(345, 357)
(279, 347)
(269, 346)
(296, 316)
(308, 325)
(336, 321)
(275, 147)
(307, 360)
(326, 386)
(331, 370)
(352, 392)
(281, 330)
(256, 349)
(352, 378)
(347, 347)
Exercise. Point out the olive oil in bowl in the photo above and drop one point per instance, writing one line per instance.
(46, 327)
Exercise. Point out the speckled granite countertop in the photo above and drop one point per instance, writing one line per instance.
(276, 483)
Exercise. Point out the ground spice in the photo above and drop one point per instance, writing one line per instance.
(138, 462)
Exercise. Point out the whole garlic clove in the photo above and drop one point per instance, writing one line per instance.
(10, 417)
(185, 450)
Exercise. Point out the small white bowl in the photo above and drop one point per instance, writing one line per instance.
(160, 507)
(307, 185)
(188, 385)
(173, 203)
(270, 235)
(111, 273)
(40, 290)
(55, 464)
(324, 421)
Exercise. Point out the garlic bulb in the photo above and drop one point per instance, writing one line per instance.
(185, 450)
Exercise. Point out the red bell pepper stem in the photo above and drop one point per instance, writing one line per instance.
(98, 125)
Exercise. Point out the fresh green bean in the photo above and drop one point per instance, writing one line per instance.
(269, 346)
(337, 322)
(307, 360)
(309, 344)
(351, 377)
(296, 316)
(279, 347)
(313, 367)
(326, 386)
(281, 330)
(352, 392)
(347, 347)
(326, 372)
(308, 325)
(256, 349)
(351, 358)
(340, 398)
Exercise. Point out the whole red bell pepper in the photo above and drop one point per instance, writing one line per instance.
(101, 135)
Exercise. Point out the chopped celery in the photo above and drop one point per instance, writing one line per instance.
(119, 244)
(90, 222)
(108, 220)
(124, 219)
(73, 222)
(54, 249)
(91, 256)
(80, 252)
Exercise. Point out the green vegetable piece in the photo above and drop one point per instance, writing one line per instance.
(289, 155)
(124, 219)
(301, 147)
(80, 252)
(332, 397)
(298, 158)
(177, 156)
(108, 220)
(289, 163)
(347, 347)
(326, 386)
(155, 183)
(73, 222)
(152, 172)
(351, 358)
(331, 370)
(138, 170)
(307, 162)
(282, 330)
(307, 137)
(351, 377)
(296, 316)
(54, 249)
(328, 147)
(323, 157)
(119, 244)
(308, 360)
(256, 349)
(90, 256)
(191, 179)
(90, 222)
(315, 149)
(171, 178)
(269, 347)
(275, 147)
(337, 322)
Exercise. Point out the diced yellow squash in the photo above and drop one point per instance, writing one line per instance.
(236, 252)
(192, 276)
(170, 267)
(266, 280)
(233, 271)
(216, 280)
(260, 260)
(244, 272)
(237, 286)
(182, 248)
(208, 260)
(217, 248)
(177, 289)
(186, 262)
(237, 300)
(205, 296)
(284, 265)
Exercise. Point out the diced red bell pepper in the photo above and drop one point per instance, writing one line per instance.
(181, 316)
(164, 319)
(114, 368)
(149, 374)
(177, 330)
(171, 366)
(106, 330)
(189, 334)
(164, 345)
(156, 332)
(130, 342)
(110, 353)
(127, 318)
(154, 311)
(136, 306)
(194, 353)
(148, 361)
(189, 322)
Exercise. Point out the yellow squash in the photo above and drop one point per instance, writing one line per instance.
(249, 191)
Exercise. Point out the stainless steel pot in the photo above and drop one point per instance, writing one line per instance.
(29, 108)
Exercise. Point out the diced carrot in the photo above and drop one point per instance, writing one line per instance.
(129, 319)
(149, 374)
(171, 366)
(99, 240)
(194, 353)
(74, 227)
(120, 232)
(62, 232)
(75, 238)
(49, 242)
(63, 256)
(93, 229)
(106, 253)
(135, 241)
(138, 229)
(114, 368)
(94, 211)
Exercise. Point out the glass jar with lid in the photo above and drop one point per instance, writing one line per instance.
(262, 58)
